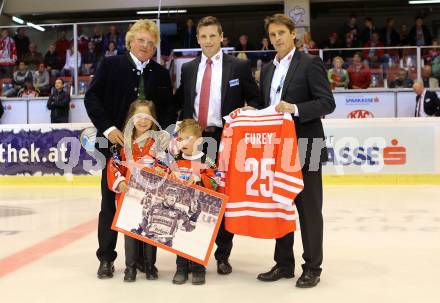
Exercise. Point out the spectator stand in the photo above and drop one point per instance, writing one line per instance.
(80, 37)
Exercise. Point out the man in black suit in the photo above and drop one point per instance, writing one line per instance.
(119, 81)
(296, 83)
(212, 86)
(430, 101)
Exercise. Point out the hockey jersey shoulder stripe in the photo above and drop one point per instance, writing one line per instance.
(257, 210)
(257, 116)
(232, 205)
(287, 187)
(282, 199)
(254, 120)
(264, 123)
(291, 179)
(249, 213)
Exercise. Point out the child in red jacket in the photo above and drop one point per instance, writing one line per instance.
(140, 149)
(193, 166)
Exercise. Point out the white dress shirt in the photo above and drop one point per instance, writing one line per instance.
(215, 95)
(279, 75)
(70, 60)
(420, 104)
(140, 67)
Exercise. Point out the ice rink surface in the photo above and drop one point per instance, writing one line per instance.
(381, 244)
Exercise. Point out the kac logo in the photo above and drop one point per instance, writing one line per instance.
(360, 114)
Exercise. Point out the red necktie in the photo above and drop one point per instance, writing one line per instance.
(204, 95)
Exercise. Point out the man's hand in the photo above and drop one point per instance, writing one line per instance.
(285, 107)
(248, 108)
(116, 136)
(122, 187)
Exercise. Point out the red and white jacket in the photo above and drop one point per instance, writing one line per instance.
(260, 172)
(116, 173)
(8, 51)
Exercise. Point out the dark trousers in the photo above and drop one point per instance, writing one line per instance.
(106, 236)
(135, 249)
(224, 238)
(309, 206)
(186, 264)
(223, 242)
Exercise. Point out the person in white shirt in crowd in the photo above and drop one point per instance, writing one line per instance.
(69, 67)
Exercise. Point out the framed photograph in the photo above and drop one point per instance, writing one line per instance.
(170, 214)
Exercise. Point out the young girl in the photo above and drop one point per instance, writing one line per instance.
(141, 147)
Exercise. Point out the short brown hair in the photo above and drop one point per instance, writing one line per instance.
(279, 19)
(210, 20)
(192, 126)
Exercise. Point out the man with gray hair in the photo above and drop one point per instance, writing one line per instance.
(427, 102)
(118, 81)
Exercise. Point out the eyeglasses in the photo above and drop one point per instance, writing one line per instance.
(147, 43)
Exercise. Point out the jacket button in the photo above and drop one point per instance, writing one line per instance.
(138, 73)
(135, 89)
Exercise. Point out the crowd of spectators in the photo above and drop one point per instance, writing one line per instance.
(348, 66)
(394, 68)
(22, 64)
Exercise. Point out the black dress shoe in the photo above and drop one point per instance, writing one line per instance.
(224, 268)
(276, 273)
(130, 274)
(151, 272)
(308, 279)
(105, 270)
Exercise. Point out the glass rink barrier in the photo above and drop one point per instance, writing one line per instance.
(34, 57)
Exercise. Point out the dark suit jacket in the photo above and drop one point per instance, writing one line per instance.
(307, 86)
(426, 33)
(231, 97)
(115, 86)
(431, 104)
(1, 109)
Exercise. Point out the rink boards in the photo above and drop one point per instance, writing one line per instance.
(361, 151)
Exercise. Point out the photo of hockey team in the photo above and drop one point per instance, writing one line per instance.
(170, 214)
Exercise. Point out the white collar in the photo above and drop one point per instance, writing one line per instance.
(286, 60)
(216, 58)
(138, 63)
(193, 157)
